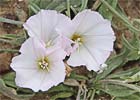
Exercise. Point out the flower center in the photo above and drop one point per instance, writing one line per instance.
(77, 38)
(43, 64)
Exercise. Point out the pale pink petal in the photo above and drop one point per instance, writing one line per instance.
(57, 54)
(65, 28)
(75, 59)
(40, 25)
(23, 62)
(99, 42)
(101, 29)
(100, 56)
(55, 76)
(66, 44)
(47, 83)
(94, 57)
(32, 47)
(32, 80)
(57, 72)
(28, 76)
(43, 25)
(86, 20)
(84, 57)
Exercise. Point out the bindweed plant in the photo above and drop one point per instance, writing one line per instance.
(83, 30)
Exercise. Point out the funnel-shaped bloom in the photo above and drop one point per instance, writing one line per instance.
(39, 68)
(43, 25)
(93, 37)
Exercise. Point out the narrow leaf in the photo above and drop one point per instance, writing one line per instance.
(5, 20)
(61, 95)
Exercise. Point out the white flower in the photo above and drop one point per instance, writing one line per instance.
(39, 68)
(93, 35)
(43, 25)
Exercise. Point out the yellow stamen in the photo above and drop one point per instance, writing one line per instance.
(77, 38)
(43, 64)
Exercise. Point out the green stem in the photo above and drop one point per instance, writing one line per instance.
(79, 94)
(73, 9)
(84, 5)
(123, 18)
(96, 4)
(93, 94)
(5, 20)
(68, 8)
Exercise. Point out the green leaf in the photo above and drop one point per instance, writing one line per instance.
(36, 5)
(133, 49)
(84, 5)
(121, 17)
(44, 3)
(117, 90)
(131, 97)
(78, 77)
(133, 55)
(41, 3)
(9, 79)
(121, 10)
(60, 8)
(124, 74)
(59, 5)
(34, 8)
(14, 39)
(9, 50)
(61, 95)
(105, 11)
(5, 20)
(9, 36)
(127, 44)
(23, 91)
(71, 82)
(4, 1)
(134, 78)
(62, 3)
(121, 83)
(10, 92)
(60, 88)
